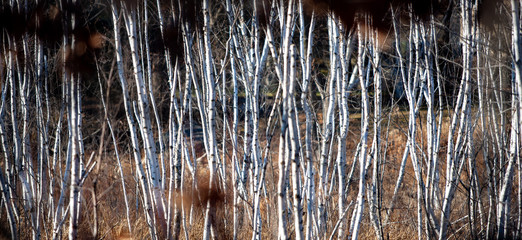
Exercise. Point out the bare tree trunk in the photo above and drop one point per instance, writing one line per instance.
(374, 191)
(460, 118)
(365, 121)
(144, 182)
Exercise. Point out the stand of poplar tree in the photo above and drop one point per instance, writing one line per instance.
(274, 88)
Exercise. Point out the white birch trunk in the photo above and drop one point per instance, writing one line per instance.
(144, 182)
(328, 129)
(374, 191)
(461, 117)
(294, 149)
(365, 119)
